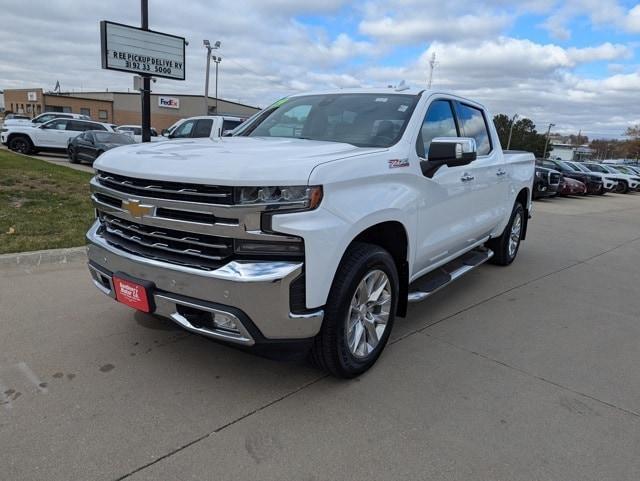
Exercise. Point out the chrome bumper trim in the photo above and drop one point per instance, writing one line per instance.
(259, 289)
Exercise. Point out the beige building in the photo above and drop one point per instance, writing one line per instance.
(120, 107)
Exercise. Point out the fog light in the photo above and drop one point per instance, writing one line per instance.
(225, 322)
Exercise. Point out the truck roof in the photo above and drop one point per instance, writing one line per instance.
(386, 91)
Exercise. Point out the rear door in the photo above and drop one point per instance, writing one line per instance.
(489, 183)
(202, 128)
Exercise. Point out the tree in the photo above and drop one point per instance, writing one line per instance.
(524, 136)
(633, 132)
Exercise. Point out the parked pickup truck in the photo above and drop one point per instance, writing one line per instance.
(212, 126)
(314, 225)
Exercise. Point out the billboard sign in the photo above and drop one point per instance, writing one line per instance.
(145, 52)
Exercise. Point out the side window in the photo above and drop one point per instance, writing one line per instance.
(96, 127)
(184, 130)
(203, 128)
(439, 122)
(77, 126)
(60, 124)
(473, 124)
(230, 124)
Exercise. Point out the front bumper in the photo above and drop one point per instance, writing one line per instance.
(255, 294)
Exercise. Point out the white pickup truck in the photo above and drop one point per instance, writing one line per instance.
(212, 126)
(312, 227)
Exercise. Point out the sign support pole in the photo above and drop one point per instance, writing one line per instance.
(146, 80)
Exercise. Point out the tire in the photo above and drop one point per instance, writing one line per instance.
(336, 348)
(624, 186)
(505, 248)
(73, 155)
(21, 144)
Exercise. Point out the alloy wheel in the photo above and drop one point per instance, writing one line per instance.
(368, 313)
(514, 237)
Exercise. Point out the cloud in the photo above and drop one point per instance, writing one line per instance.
(271, 49)
(432, 27)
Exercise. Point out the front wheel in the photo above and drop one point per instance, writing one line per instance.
(360, 312)
(21, 144)
(73, 155)
(505, 248)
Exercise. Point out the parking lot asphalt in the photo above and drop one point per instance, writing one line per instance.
(528, 372)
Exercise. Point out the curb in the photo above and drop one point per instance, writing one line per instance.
(38, 258)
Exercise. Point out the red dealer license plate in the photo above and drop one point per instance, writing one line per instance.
(133, 293)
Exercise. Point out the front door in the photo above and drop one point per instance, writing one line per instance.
(444, 224)
(52, 134)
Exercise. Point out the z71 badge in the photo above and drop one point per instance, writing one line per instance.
(396, 163)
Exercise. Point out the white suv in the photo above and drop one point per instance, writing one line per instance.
(52, 135)
(43, 118)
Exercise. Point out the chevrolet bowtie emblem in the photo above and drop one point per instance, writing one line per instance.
(136, 209)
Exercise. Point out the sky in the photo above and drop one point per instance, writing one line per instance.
(575, 63)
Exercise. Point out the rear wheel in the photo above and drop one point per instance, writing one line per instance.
(21, 144)
(360, 313)
(505, 248)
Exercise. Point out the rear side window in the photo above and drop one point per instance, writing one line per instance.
(203, 128)
(77, 126)
(439, 122)
(473, 124)
(230, 124)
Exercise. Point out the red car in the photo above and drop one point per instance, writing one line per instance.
(569, 186)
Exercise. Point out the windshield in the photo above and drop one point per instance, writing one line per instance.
(596, 168)
(363, 120)
(580, 167)
(110, 138)
(625, 170)
(611, 169)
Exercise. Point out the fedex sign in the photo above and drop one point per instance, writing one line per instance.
(169, 102)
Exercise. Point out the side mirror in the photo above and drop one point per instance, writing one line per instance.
(453, 151)
(164, 132)
(449, 151)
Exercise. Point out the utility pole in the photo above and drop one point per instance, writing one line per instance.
(546, 144)
(146, 80)
(513, 121)
(209, 48)
(432, 65)
(217, 60)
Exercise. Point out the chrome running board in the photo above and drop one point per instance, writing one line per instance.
(435, 280)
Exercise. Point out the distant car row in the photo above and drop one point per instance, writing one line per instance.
(79, 136)
(556, 177)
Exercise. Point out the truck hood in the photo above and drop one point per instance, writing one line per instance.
(227, 161)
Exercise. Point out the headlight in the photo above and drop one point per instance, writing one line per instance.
(297, 196)
(4, 130)
(539, 174)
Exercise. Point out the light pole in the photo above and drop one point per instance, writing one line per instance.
(546, 144)
(217, 60)
(209, 48)
(513, 121)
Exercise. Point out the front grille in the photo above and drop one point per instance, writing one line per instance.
(194, 250)
(554, 178)
(204, 194)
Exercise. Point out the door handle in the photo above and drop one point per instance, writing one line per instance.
(501, 172)
(467, 178)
